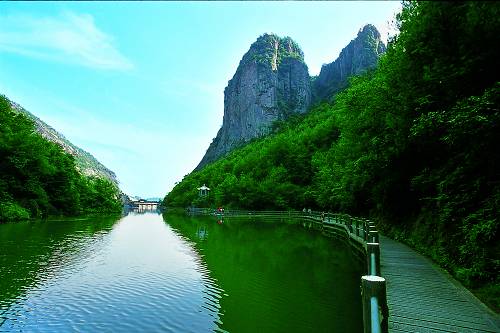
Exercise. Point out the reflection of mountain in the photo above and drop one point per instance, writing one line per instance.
(277, 277)
(33, 252)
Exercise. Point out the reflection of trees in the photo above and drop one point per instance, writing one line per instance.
(33, 251)
(137, 211)
(278, 277)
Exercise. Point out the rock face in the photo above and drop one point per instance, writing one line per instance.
(271, 82)
(359, 55)
(85, 162)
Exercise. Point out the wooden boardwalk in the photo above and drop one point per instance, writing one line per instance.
(423, 298)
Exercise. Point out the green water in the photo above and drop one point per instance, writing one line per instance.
(153, 273)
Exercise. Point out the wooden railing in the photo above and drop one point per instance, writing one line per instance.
(360, 232)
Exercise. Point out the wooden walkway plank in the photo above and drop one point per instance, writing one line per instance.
(439, 316)
(423, 298)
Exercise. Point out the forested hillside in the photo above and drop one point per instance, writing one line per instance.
(272, 83)
(38, 179)
(413, 143)
(85, 162)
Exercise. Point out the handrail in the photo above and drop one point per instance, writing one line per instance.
(373, 267)
(360, 230)
(374, 315)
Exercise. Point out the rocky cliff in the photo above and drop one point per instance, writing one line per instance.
(85, 162)
(270, 83)
(359, 55)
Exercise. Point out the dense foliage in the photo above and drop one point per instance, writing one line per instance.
(413, 143)
(38, 179)
(85, 162)
(270, 49)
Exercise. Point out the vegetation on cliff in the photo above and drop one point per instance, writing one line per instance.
(360, 55)
(85, 162)
(270, 50)
(413, 143)
(38, 179)
(270, 83)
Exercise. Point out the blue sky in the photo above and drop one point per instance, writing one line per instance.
(140, 84)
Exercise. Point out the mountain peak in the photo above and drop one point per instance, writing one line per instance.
(369, 29)
(270, 49)
(271, 83)
(361, 54)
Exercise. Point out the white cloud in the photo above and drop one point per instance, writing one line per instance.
(69, 38)
(387, 27)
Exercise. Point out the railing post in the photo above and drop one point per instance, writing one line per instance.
(373, 236)
(375, 309)
(371, 227)
(373, 258)
(367, 229)
(363, 228)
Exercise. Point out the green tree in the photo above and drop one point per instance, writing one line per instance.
(38, 179)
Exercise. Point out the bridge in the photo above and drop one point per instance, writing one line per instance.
(144, 205)
(402, 290)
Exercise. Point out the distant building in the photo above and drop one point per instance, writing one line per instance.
(142, 205)
(203, 191)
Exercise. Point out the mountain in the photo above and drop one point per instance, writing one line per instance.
(154, 199)
(270, 83)
(85, 162)
(414, 145)
(360, 54)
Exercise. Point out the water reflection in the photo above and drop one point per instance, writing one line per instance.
(277, 277)
(33, 252)
(140, 210)
(141, 274)
(104, 275)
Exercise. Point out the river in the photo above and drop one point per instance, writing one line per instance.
(154, 273)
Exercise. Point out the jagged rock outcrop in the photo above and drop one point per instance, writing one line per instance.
(85, 162)
(271, 82)
(359, 55)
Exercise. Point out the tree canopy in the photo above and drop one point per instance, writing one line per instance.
(38, 179)
(413, 143)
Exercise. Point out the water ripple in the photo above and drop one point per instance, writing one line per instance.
(138, 276)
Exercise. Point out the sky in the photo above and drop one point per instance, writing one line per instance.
(140, 85)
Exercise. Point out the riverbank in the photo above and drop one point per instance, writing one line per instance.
(415, 237)
(61, 218)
